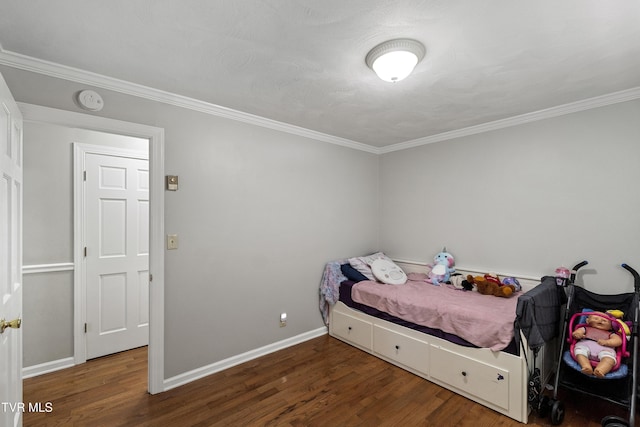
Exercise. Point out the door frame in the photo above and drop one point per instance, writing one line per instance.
(80, 150)
(155, 135)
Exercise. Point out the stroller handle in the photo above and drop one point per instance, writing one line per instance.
(634, 273)
(579, 265)
(575, 268)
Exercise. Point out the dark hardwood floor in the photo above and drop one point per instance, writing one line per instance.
(322, 382)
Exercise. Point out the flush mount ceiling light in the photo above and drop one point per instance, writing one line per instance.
(394, 60)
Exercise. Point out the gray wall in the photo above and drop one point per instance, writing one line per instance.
(524, 199)
(48, 235)
(258, 213)
(47, 310)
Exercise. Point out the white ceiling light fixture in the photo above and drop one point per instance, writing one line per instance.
(394, 60)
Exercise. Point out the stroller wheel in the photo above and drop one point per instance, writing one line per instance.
(613, 421)
(557, 412)
(543, 406)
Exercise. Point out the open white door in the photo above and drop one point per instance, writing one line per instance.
(117, 256)
(10, 259)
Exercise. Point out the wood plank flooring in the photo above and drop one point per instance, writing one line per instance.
(322, 382)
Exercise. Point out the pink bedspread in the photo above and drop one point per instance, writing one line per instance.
(483, 320)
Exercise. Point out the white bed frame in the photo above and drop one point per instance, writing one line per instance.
(497, 380)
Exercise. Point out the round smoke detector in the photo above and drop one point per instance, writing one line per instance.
(90, 100)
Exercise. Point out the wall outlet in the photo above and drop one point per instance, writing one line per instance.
(283, 320)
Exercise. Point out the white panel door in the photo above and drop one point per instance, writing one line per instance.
(117, 257)
(10, 258)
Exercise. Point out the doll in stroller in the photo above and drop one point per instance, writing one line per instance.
(611, 374)
(597, 343)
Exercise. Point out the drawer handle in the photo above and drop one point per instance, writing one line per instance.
(349, 328)
(464, 374)
(397, 347)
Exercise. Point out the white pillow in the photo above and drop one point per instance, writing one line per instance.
(388, 272)
(363, 263)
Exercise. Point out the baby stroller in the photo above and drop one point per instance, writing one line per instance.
(620, 385)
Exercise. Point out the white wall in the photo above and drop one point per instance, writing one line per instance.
(524, 199)
(258, 214)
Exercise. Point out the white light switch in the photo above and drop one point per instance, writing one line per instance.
(172, 241)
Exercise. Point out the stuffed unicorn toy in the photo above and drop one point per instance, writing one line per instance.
(443, 267)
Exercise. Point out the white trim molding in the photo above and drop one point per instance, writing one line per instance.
(560, 110)
(155, 135)
(51, 69)
(47, 268)
(204, 371)
(45, 368)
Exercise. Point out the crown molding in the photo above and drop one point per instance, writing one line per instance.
(51, 69)
(574, 107)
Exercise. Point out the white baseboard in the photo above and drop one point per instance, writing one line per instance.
(187, 377)
(196, 374)
(45, 368)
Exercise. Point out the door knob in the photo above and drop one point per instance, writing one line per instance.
(15, 323)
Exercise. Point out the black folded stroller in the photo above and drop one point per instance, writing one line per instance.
(619, 386)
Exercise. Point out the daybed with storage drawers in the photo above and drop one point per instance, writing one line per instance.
(494, 378)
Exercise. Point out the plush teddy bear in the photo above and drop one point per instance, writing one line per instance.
(442, 268)
(489, 284)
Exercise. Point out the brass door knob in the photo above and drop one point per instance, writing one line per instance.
(15, 323)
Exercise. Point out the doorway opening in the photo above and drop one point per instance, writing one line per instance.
(111, 228)
(155, 137)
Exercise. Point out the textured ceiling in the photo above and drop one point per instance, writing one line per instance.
(301, 62)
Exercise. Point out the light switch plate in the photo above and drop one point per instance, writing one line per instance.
(172, 182)
(172, 241)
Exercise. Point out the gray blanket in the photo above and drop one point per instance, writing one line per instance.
(538, 313)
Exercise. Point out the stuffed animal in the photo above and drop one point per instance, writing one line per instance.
(489, 284)
(468, 285)
(460, 282)
(619, 314)
(442, 268)
(512, 281)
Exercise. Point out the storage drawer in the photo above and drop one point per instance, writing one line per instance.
(350, 329)
(479, 379)
(408, 351)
